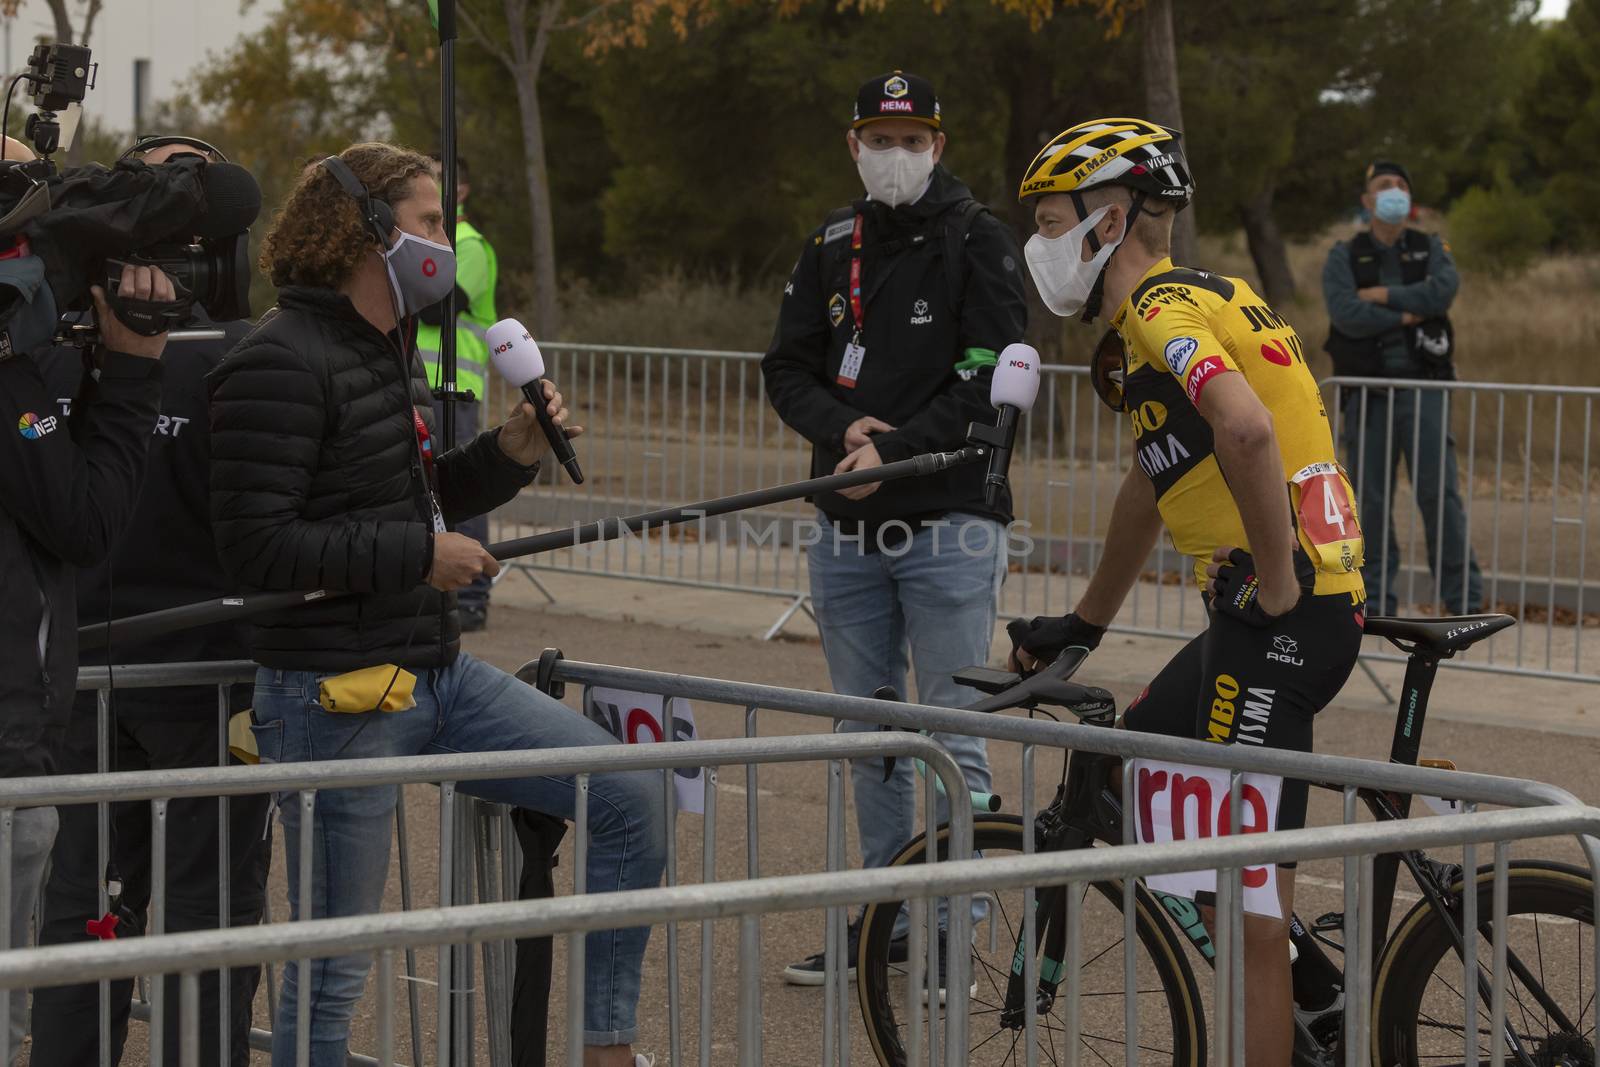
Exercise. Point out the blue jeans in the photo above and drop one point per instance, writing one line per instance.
(1418, 429)
(466, 707)
(931, 601)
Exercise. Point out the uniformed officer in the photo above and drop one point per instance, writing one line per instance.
(884, 349)
(477, 272)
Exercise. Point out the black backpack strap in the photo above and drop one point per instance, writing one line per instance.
(835, 241)
(1363, 251)
(1418, 248)
(957, 228)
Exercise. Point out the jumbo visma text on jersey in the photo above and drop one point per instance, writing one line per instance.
(1181, 330)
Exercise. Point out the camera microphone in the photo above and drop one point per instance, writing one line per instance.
(516, 356)
(1012, 392)
(233, 201)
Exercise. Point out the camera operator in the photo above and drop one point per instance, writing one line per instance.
(325, 475)
(166, 559)
(67, 490)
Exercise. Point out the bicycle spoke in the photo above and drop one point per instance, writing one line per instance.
(1482, 1012)
(1119, 1041)
(985, 1041)
(1538, 951)
(1096, 1052)
(1098, 955)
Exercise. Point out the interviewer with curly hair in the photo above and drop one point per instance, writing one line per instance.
(325, 475)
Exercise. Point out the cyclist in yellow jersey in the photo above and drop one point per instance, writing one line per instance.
(1233, 454)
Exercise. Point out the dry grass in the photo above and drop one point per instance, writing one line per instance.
(1539, 327)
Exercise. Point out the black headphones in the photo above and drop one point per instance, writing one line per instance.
(376, 212)
(148, 142)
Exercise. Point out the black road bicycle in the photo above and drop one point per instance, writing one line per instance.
(1418, 1007)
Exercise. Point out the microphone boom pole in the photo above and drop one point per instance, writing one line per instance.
(447, 173)
(136, 628)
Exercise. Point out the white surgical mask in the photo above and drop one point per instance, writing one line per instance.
(1056, 263)
(894, 176)
(421, 272)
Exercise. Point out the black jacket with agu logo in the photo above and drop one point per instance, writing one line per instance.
(931, 330)
(67, 490)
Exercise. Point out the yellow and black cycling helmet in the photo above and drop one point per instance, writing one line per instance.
(1132, 152)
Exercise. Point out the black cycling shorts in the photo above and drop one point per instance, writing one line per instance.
(1238, 683)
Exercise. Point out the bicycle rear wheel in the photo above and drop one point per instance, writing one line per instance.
(1550, 984)
(1171, 1020)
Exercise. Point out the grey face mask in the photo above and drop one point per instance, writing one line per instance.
(421, 272)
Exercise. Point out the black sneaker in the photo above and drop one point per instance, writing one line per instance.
(809, 970)
(473, 619)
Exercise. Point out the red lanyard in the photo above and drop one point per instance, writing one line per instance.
(856, 311)
(424, 441)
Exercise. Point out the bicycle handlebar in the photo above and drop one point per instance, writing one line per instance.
(1048, 685)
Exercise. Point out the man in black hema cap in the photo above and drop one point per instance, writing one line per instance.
(884, 348)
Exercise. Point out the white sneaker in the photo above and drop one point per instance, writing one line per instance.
(640, 1061)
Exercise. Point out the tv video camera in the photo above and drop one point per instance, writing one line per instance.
(63, 231)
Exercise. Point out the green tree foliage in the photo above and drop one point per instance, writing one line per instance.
(1288, 100)
(735, 133)
(1550, 143)
(1499, 230)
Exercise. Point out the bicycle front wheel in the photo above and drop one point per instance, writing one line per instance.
(1550, 981)
(1171, 1020)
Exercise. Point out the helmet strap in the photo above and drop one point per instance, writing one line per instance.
(1091, 307)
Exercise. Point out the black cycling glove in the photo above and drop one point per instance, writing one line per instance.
(1046, 636)
(1234, 589)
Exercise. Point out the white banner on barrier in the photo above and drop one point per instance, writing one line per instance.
(1181, 802)
(640, 719)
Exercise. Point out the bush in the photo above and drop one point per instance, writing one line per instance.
(1499, 231)
(675, 311)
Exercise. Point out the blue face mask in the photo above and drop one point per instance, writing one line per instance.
(1392, 205)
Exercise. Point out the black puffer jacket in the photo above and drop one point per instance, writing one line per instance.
(317, 482)
(67, 490)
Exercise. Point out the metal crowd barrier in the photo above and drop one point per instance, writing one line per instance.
(668, 426)
(1348, 773)
(454, 1008)
(1521, 456)
(186, 954)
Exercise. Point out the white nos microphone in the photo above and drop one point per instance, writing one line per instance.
(1012, 391)
(516, 356)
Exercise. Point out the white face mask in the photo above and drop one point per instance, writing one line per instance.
(894, 176)
(1056, 263)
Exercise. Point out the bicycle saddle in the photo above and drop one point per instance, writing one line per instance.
(1442, 637)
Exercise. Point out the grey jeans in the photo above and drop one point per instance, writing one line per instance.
(33, 832)
(1375, 440)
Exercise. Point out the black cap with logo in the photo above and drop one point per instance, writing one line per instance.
(1385, 166)
(896, 95)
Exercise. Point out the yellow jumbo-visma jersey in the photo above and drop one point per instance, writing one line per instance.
(1181, 329)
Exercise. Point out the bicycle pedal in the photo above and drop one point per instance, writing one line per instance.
(1333, 920)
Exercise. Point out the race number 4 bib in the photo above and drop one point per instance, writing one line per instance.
(1327, 518)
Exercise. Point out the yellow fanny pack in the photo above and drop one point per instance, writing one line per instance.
(381, 688)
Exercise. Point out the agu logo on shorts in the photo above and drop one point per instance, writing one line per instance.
(33, 427)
